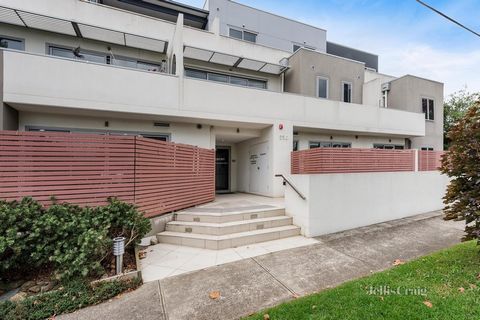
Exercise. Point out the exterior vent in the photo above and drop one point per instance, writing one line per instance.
(161, 124)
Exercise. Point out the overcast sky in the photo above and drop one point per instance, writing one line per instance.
(408, 37)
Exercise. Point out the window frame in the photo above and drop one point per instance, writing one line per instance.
(326, 89)
(427, 111)
(229, 76)
(242, 31)
(147, 134)
(391, 146)
(328, 144)
(343, 91)
(109, 59)
(21, 40)
(427, 149)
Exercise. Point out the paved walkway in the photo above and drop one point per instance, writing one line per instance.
(252, 284)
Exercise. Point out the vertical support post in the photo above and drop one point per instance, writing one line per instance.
(416, 160)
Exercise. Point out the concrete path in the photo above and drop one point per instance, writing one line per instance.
(253, 284)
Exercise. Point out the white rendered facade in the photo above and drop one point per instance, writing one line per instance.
(151, 83)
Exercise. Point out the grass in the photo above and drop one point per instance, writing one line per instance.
(440, 277)
(72, 296)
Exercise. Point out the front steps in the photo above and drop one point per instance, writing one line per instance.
(215, 228)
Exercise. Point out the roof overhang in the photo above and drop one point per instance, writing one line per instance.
(71, 28)
(232, 60)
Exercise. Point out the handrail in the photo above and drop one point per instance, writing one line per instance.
(285, 180)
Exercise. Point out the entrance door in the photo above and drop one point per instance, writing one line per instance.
(222, 170)
(259, 168)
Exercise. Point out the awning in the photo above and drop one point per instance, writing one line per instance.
(232, 60)
(46, 23)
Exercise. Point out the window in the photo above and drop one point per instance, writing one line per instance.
(388, 146)
(347, 91)
(297, 46)
(322, 87)
(104, 58)
(295, 145)
(242, 35)
(11, 43)
(196, 74)
(249, 36)
(225, 78)
(234, 33)
(427, 149)
(428, 108)
(328, 144)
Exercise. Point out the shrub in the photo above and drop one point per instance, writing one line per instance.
(71, 239)
(73, 296)
(462, 163)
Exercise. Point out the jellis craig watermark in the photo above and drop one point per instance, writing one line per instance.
(399, 291)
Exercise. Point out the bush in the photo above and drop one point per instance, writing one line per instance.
(70, 239)
(72, 296)
(462, 163)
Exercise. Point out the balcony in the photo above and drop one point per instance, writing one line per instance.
(303, 112)
(38, 82)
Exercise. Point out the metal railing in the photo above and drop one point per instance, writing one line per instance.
(285, 181)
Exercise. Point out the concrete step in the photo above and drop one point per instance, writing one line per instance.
(229, 240)
(219, 229)
(228, 216)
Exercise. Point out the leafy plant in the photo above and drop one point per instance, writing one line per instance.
(462, 163)
(71, 239)
(72, 296)
(455, 108)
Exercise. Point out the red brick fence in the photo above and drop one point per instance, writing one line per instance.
(350, 160)
(85, 169)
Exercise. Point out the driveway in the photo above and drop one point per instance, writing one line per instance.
(252, 284)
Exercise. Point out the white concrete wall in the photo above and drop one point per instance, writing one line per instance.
(337, 202)
(273, 30)
(47, 81)
(186, 133)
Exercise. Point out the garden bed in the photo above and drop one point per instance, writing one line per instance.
(48, 251)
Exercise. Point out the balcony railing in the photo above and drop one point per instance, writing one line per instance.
(356, 160)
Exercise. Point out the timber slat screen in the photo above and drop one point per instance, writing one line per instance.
(85, 169)
(429, 160)
(350, 160)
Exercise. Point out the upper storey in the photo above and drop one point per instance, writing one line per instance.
(250, 24)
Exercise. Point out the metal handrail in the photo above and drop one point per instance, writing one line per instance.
(285, 180)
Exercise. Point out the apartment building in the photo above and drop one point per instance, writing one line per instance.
(248, 83)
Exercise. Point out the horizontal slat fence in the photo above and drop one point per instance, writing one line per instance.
(350, 160)
(429, 160)
(172, 176)
(85, 169)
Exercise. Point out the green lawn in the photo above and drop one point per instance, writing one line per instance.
(440, 276)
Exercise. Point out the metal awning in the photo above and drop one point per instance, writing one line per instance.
(232, 60)
(46, 23)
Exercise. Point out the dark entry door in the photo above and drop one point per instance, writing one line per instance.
(222, 170)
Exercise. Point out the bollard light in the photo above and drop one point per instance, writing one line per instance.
(118, 251)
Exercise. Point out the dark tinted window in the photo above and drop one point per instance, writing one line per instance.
(12, 43)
